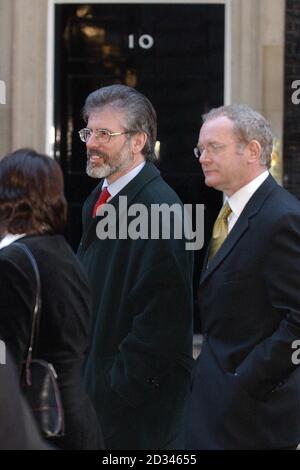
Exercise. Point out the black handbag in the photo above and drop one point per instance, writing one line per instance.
(38, 377)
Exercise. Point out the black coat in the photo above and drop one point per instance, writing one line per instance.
(250, 311)
(64, 329)
(138, 370)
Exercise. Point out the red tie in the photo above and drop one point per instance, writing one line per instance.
(101, 200)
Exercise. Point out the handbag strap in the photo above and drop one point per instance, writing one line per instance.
(37, 306)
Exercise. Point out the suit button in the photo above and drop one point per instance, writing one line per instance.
(150, 380)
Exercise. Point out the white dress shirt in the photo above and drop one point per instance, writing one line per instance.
(115, 187)
(239, 199)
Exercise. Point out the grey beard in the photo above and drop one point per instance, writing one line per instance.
(99, 172)
(106, 170)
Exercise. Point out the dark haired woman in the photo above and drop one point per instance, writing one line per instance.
(33, 211)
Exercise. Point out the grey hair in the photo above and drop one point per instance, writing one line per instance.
(139, 114)
(247, 125)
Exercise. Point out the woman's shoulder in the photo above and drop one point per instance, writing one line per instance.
(55, 258)
(53, 247)
(11, 255)
(56, 261)
(14, 252)
(47, 250)
(15, 267)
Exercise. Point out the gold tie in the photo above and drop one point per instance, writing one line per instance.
(220, 230)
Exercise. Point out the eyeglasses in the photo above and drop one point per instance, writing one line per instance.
(102, 135)
(211, 149)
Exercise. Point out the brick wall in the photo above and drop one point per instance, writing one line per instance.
(291, 144)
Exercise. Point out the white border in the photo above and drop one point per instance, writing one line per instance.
(49, 144)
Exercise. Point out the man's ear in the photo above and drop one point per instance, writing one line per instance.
(254, 151)
(138, 142)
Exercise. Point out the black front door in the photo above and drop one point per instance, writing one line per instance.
(173, 53)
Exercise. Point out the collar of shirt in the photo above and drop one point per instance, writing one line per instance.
(239, 199)
(10, 238)
(115, 187)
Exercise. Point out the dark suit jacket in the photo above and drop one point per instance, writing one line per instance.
(250, 311)
(64, 329)
(138, 370)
